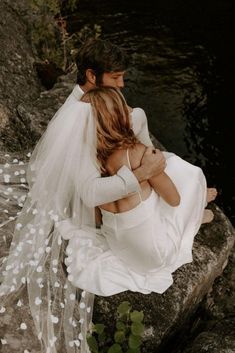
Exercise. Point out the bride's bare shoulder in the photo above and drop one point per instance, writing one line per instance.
(119, 158)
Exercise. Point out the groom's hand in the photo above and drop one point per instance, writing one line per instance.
(153, 163)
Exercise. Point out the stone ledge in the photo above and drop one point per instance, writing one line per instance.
(166, 314)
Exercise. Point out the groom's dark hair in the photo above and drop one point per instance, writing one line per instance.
(100, 56)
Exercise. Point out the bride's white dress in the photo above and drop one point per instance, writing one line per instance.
(139, 249)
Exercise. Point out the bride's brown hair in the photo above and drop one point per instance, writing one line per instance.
(113, 124)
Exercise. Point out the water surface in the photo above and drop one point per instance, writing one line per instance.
(181, 74)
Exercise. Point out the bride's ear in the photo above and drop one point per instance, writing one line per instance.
(90, 76)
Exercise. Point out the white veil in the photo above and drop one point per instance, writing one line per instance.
(62, 160)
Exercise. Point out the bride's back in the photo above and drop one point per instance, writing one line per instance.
(115, 161)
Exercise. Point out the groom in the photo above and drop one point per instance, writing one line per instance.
(101, 63)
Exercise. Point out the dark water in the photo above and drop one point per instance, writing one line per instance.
(181, 74)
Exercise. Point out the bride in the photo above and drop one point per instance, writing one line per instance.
(146, 235)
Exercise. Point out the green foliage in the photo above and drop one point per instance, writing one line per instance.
(115, 348)
(137, 316)
(99, 328)
(124, 308)
(127, 337)
(49, 36)
(92, 342)
(137, 328)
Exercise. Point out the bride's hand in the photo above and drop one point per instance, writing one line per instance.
(153, 162)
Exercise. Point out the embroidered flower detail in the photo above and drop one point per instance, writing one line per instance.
(7, 178)
(77, 343)
(23, 326)
(82, 305)
(70, 278)
(59, 241)
(69, 251)
(72, 296)
(52, 341)
(54, 319)
(72, 322)
(38, 301)
(18, 226)
(2, 309)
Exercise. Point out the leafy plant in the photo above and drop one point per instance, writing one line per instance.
(127, 337)
(49, 36)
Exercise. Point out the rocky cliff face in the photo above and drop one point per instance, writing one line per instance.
(25, 110)
(18, 79)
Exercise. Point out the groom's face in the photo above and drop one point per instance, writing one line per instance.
(113, 79)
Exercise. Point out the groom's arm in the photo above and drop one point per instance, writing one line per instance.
(97, 190)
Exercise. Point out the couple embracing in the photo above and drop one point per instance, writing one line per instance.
(120, 214)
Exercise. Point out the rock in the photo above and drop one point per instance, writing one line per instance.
(218, 331)
(37, 114)
(219, 338)
(166, 314)
(48, 73)
(18, 77)
(220, 301)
